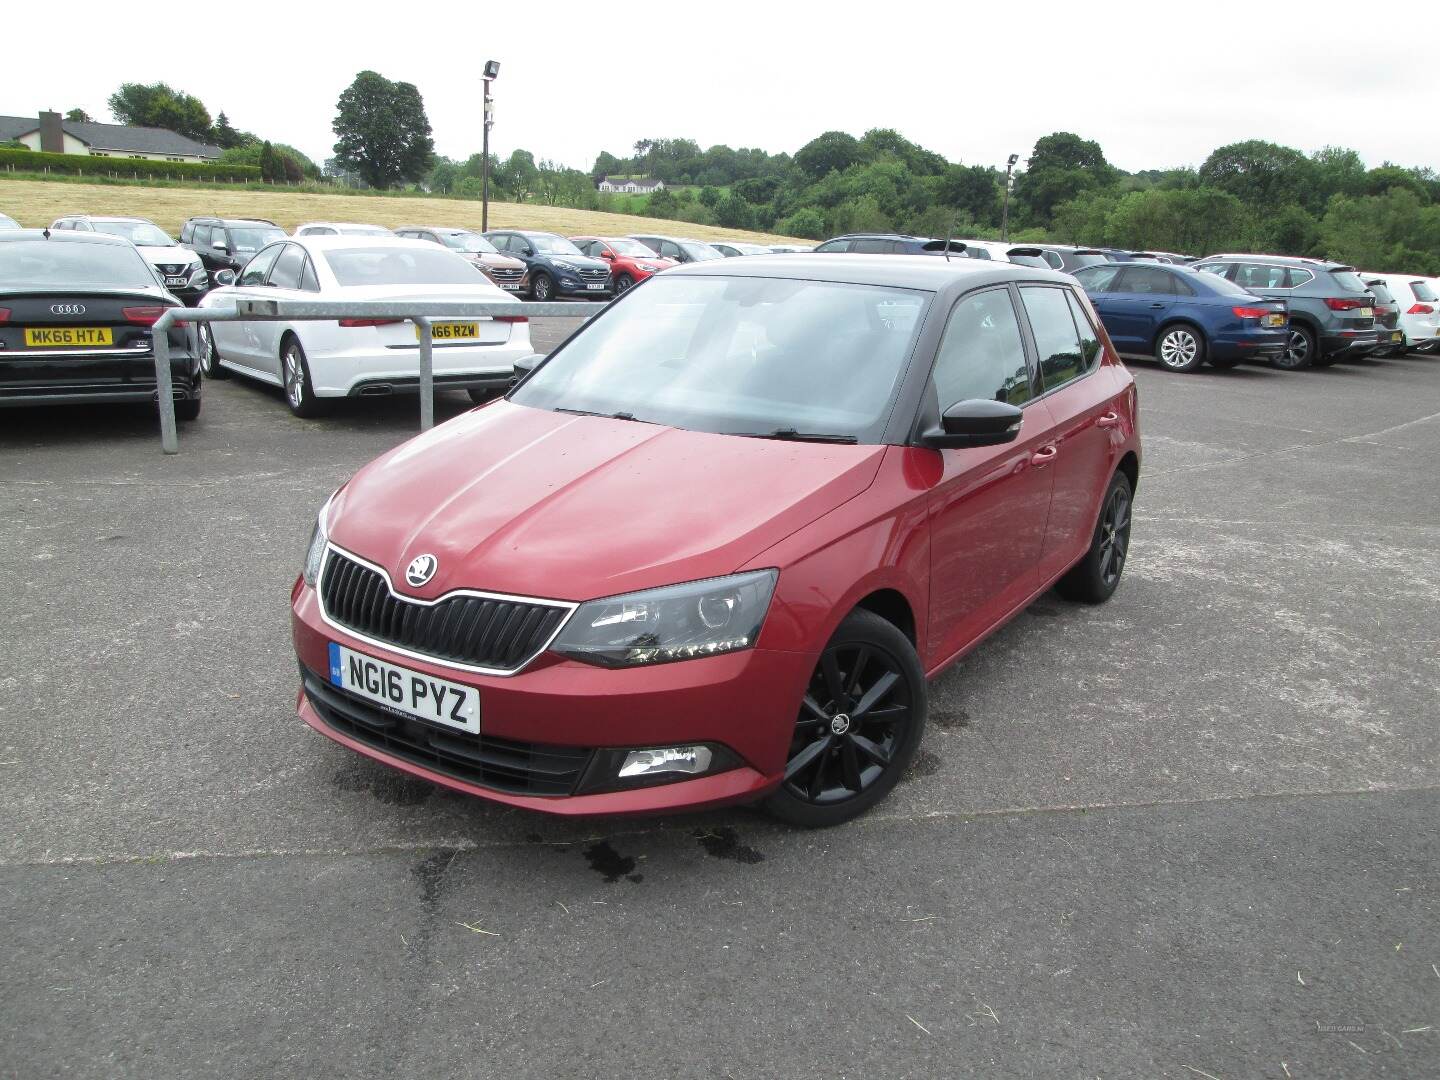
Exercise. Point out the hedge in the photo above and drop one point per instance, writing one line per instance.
(87, 165)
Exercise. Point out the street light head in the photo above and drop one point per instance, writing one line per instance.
(1013, 159)
(492, 69)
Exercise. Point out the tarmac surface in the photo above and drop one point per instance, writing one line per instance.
(1189, 833)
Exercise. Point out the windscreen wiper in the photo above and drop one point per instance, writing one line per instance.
(588, 412)
(791, 435)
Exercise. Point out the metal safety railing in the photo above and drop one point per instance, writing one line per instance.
(422, 313)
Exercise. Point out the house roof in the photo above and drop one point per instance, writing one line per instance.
(645, 182)
(139, 140)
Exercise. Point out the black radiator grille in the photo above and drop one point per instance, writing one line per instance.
(501, 634)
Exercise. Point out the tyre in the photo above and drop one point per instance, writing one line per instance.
(1094, 578)
(209, 357)
(1225, 362)
(623, 283)
(542, 288)
(189, 409)
(1180, 347)
(859, 725)
(1300, 349)
(299, 391)
(480, 395)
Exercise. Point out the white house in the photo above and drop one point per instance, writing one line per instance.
(631, 187)
(52, 134)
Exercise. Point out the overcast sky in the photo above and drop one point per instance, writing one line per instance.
(1156, 84)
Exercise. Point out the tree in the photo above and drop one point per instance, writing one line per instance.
(710, 196)
(519, 175)
(79, 116)
(974, 190)
(833, 150)
(1061, 167)
(734, 212)
(157, 105)
(1263, 174)
(225, 136)
(383, 131)
(607, 164)
(661, 204)
(1338, 172)
(271, 170)
(807, 222)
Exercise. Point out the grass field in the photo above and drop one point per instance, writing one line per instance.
(36, 203)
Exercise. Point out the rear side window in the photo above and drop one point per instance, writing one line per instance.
(1056, 338)
(1098, 279)
(874, 247)
(1089, 338)
(187, 231)
(1260, 276)
(288, 268)
(308, 281)
(1348, 280)
(1423, 291)
(1382, 294)
(982, 354)
(1145, 279)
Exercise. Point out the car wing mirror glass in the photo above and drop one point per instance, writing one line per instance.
(225, 277)
(975, 422)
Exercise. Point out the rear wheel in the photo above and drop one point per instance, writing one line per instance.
(1300, 349)
(1224, 361)
(209, 356)
(859, 726)
(1095, 578)
(1180, 348)
(299, 391)
(189, 409)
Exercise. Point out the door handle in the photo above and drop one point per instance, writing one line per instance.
(1110, 419)
(1043, 456)
(1158, 303)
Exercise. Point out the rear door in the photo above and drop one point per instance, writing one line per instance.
(1141, 298)
(1079, 392)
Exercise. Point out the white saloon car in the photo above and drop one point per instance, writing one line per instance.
(313, 361)
(340, 228)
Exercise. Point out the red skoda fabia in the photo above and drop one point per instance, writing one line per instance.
(710, 549)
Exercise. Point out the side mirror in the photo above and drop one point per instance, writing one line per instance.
(524, 366)
(975, 422)
(220, 245)
(608, 256)
(225, 277)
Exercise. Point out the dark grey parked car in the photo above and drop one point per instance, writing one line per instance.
(1331, 312)
(1068, 259)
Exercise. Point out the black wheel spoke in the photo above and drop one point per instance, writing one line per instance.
(884, 713)
(807, 757)
(834, 685)
(852, 688)
(870, 750)
(850, 766)
(872, 697)
(817, 714)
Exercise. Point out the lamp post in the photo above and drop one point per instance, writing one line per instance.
(492, 70)
(1009, 185)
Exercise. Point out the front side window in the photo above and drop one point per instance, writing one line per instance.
(1062, 357)
(1100, 278)
(671, 251)
(833, 245)
(736, 355)
(201, 236)
(256, 269)
(982, 354)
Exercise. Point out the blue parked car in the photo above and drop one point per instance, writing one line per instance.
(1184, 317)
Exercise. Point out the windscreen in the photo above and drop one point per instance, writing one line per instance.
(26, 264)
(468, 242)
(139, 233)
(553, 245)
(739, 355)
(700, 252)
(400, 266)
(633, 248)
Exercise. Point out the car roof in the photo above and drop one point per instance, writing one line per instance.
(346, 224)
(439, 228)
(672, 239)
(1283, 260)
(902, 271)
(103, 217)
(61, 236)
(233, 221)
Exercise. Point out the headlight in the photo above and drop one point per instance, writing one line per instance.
(315, 553)
(563, 265)
(650, 269)
(678, 622)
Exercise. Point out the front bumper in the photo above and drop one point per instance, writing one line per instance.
(558, 710)
(582, 288)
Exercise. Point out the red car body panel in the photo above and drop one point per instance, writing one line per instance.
(626, 264)
(536, 503)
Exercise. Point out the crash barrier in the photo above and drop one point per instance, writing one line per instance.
(421, 313)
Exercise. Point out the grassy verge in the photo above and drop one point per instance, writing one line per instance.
(36, 202)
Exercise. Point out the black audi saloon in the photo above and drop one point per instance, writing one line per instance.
(76, 317)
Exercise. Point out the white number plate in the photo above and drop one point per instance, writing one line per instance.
(1367, 313)
(595, 287)
(402, 690)
(510, 287)
(174, 281)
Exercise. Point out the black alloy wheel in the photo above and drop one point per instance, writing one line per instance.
(1300, 349)
(1095, 578)
(859, 725)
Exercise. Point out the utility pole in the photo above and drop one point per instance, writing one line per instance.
(492, 70)
(1005, 209)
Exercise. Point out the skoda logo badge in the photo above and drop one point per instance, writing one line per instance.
(421, 569)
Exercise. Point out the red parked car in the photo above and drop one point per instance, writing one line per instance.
(631, 262)
(710, 549)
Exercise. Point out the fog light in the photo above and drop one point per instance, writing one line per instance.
(677, 759)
